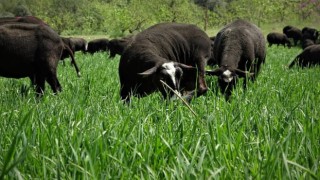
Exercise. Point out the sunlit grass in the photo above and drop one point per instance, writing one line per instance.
(269, 131)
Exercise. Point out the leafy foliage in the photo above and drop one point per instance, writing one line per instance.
(122, 17)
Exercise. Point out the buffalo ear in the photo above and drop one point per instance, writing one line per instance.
(216, 72)
(148, 72)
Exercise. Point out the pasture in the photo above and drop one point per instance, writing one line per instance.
(271, 131)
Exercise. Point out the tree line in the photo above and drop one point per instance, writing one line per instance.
(121, 17)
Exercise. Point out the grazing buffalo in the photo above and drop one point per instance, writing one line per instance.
(294, 33)
(310, 33)
(239, 49)
(278, 38)
(172, 52)
(80, 44)
(75, 44)
(306, 43)
(286, 28)
(310, 56)
(97, 45)
(68, 45)
(117, 46)
(31, 50)
(309, 37)
(212, 61)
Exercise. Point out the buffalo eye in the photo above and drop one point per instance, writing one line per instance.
(163, 75)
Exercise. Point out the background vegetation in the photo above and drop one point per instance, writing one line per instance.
(121, 17)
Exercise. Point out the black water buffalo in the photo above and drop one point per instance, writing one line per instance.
(294, 33)
(310, 56)
(278, 38)
(239, 49)
(306, 43)
(80, 44)
(31, 50)
(97, 45)
(68, 45)
(172, 52)
(117, 46)
(310, 33)
(309, 37)
(75, 44)
(286, 28)
(212, 61)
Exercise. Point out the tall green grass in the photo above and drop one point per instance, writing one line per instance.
(270, 131)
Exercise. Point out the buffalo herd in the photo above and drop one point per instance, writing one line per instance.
(165, 55)
(309, 42)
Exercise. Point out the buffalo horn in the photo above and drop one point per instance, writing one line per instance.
(243, 73)
(148, 72)
(215, 72)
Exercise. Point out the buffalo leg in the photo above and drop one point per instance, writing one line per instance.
(33, 80)
(54, 83)
(202, 86)
(40, 85)
(295, 42)
(125, 95)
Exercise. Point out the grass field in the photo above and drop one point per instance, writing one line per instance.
(271, 131)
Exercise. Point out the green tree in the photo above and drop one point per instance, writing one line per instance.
(122, 17)
(21, 10)
(308, 8)
(14, 8)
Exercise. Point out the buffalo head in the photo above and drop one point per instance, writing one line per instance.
(227, 74)
(170, 72)
(227, 78)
